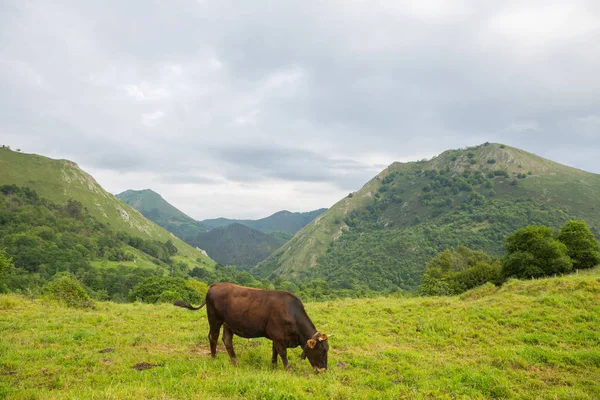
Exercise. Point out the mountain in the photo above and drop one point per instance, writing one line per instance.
(281, 221)
(61, 180)
(228, 241)
(157, 209)
(229, 244)
(236, 244)
(381, 236)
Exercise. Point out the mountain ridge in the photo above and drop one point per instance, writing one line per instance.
(223, 239)
(410, 211)
(60, 180)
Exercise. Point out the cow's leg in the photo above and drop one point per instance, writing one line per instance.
(228, 342)
(213, 336)
(274, 359)
(282, 351)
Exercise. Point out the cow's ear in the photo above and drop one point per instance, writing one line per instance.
(311, 343)
(322, 337)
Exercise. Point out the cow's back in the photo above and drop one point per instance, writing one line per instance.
(250, 312)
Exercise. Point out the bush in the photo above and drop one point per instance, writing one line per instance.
(67, 290)
(532, 252)
(581, 244)
(453, 272)
(199, 287)
(150, 289)
(168, 296)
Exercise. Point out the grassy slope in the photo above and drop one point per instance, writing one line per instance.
(528, 340)
(60, 180)
(549, 182)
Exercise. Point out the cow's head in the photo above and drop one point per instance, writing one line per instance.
(316, 349)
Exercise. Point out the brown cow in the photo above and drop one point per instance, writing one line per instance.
(252, 313)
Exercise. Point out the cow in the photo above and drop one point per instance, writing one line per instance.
(251, 313)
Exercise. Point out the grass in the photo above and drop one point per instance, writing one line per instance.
(528, 340)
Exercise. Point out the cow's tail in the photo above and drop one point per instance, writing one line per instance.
(184, 304)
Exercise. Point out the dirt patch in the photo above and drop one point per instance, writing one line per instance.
(4, 373)
(144, 365)
(107, 350)
(341, 365)
(204, 349)
(106, 361)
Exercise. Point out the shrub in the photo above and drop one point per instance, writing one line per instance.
(453, 272)
(199, 287)
(168, 296)
(150, 289)
(67, 290)
(581, 244)
(532, 252)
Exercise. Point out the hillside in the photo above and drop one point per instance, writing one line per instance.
(281, 221)
(526, 340)
(412, 211)
(61, 180)
(157, 209)
(229, 243)
(236, 244)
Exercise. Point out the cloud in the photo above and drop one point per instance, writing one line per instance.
(292, 96)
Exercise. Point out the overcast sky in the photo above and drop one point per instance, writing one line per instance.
(243, 108)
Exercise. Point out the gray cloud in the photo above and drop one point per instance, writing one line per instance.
(231, 98)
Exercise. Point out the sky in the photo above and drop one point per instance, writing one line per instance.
(240, 109)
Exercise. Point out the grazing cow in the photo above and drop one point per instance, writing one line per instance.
(252, 313)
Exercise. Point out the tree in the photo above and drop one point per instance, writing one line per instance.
(581, 244)
(6, 265)
(532, 252)
(150, 289)
(454, 272)
(171, 247)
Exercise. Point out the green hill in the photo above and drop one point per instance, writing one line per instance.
(382, 235)
(228, 241)
(157, 209)
(525, 340)
(236, 244)
(61, 180)
(281, 221)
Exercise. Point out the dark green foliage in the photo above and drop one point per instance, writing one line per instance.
(66, 289)
(491, 161)
(151, 289)
(44, 239)
(236, 244)
(350, 195)
(533, 252)
(581, 244)
(6, 266)
(454, 272)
